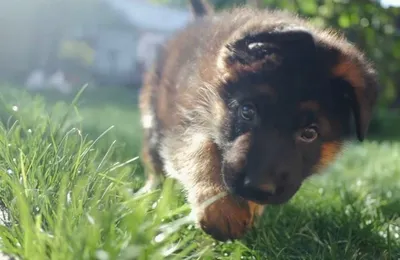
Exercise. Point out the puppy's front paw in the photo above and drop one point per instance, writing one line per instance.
(227, 218)
(151, 184)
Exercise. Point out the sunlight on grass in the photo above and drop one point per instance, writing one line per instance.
(67, 201)
(69, 171)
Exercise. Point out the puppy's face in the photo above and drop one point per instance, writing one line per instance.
(289, 102)
(276, 139)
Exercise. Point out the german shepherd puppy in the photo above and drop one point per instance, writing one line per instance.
(249, 103)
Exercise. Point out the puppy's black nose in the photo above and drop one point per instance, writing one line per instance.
(260, 189)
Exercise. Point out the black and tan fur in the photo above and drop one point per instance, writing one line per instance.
(306, 90)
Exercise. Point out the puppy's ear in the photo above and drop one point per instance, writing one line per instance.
(364, 103)
(201, 8)
(360, 88)
(269, 47)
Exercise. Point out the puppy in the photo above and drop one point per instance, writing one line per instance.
(249, 103)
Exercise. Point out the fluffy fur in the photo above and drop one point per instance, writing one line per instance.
(250, 102)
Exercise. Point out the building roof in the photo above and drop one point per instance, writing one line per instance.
(146, 15)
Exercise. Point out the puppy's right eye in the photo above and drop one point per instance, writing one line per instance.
(247, 112)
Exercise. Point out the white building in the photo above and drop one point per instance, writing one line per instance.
(119, 52)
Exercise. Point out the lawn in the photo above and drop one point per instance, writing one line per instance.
(69, 168)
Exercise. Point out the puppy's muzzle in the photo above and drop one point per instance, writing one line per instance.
(264, 192)
(264, 189)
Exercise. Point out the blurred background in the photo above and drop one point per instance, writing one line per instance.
(61, 45)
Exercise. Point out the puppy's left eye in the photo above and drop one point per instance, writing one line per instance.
(308, 134)
(247, 112)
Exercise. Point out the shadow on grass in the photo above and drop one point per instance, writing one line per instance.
(293, 232)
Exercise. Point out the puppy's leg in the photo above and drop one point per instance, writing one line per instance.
(152, 164)
(149, 155)
(152, 169)
(152, 182)
(194, 160)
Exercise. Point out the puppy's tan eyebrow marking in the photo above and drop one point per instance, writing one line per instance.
(310, 105)
(265, 89)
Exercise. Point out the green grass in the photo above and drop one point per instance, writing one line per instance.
(67, 179)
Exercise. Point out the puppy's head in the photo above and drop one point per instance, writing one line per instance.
(289, 97)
